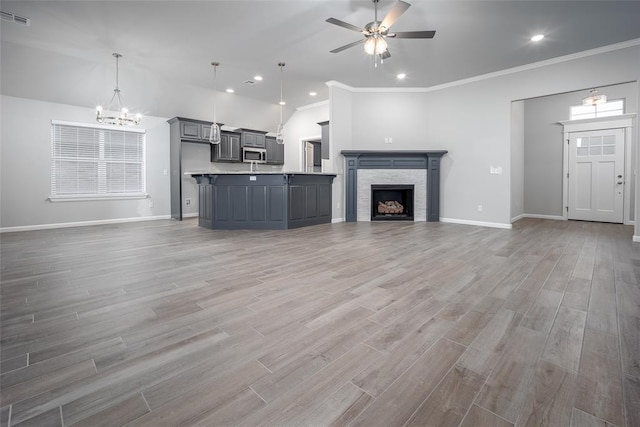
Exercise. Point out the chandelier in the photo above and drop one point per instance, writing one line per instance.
(214, 135)
(280, 131)
(594, 98)
(118, 115)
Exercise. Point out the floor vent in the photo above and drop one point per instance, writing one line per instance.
(6, 16)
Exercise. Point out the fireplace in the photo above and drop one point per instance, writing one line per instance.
(364, 168)
(391, 202)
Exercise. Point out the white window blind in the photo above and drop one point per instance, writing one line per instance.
(96, 162)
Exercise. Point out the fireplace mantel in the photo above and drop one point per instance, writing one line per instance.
(369, 159)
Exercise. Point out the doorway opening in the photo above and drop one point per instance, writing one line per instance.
(311, 155)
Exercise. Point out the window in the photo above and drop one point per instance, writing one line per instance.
(611, 108)
(89, 162)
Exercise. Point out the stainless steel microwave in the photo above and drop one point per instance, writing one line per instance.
(254, 155)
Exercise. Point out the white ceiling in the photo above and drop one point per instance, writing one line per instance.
(177, 40)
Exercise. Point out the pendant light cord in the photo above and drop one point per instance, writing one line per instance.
(116, 91)
(281, 64)
(215, 88)
(280, 131)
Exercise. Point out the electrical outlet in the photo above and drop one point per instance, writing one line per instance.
(479, 208)
(388, 140)
(150, 204)
(187, 202)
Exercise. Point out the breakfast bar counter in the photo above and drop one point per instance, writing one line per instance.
(263, 200)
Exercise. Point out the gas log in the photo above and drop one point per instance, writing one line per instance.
(390, 207)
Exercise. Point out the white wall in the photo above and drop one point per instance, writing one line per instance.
(400, 116)
(517, 159)
(472, 120)
(340, 138)
(302, 125)
(25, 168)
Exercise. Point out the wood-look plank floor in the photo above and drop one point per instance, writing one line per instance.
(360, 324)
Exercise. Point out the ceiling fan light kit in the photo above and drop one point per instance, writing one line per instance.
(119, 115)
(375, 46)
(376, 32)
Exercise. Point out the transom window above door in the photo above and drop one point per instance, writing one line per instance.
(611, 108)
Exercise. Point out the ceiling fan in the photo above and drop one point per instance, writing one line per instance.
(376, 32)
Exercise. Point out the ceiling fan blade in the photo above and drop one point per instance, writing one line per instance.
(398, 9)
(413, 35)
(386, 54)
(343, 24)
(347, 46)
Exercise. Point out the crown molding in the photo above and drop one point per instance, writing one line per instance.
(507, 71)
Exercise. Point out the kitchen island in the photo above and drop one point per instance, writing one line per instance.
(263, 200)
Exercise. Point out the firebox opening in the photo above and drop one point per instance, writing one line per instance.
(392, 202)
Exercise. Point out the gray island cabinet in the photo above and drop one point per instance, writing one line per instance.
(264, 200)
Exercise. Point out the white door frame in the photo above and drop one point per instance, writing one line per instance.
(624, 121)
(301, 143)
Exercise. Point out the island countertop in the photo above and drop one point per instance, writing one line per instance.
(263, 200)
(192, 173)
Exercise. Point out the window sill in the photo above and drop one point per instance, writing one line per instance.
(55, 199)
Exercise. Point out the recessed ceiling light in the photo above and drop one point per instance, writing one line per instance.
(282, 103)
(230, 90)
(401, 76)
(257, 78)
(537, 37)
(312, 93)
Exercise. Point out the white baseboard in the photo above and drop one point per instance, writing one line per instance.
(636, 239)
(80, 223)
(517, 218)
(190, 215)
(554, 217)
(336, 220)
(477, 223)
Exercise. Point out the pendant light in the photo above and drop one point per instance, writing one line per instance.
(594, 98)
(214, 135)
(119, 115)
(280, 131)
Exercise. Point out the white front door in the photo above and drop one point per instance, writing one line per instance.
(596, 175)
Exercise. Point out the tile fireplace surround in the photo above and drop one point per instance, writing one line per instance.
(420, 168)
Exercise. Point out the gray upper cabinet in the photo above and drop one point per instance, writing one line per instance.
(190, 130)
(228, 150)
(194, 131)
(206, 132)
(324, 126)
(252, 138)
(275, 151)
